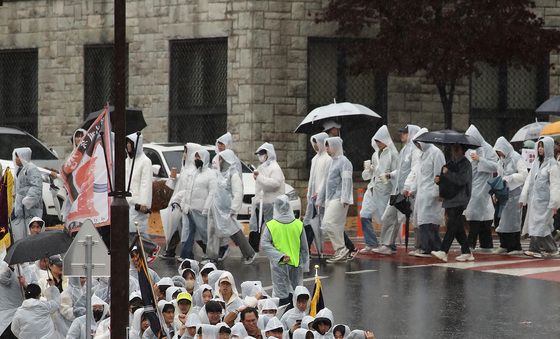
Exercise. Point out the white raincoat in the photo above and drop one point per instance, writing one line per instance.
(227, 140)
(28, 202)
(428, 204)
(141, 184)
(10, 295)
(284, 277)
(345, 328)
(78, 328)
(380, 188)
(178, 185)
(234, 301)
(325, 314)
(541, 192)
(33, 319)
(292, 315)
(480, 207)
(513, 170)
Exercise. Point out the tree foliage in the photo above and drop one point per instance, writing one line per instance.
(446, 39)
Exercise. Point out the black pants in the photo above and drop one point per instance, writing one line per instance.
(480, 230)
(455, 230)
(428, 238)
(510, 241)
(171, 247)
(311, 236)
(8, 333)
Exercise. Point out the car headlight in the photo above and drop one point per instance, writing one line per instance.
(292, 195)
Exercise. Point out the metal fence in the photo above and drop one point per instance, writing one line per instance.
(197, 90)
(19, 89)
(330, 79)
(98, 77)
(503, 99)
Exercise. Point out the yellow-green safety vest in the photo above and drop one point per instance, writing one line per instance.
(286, 238)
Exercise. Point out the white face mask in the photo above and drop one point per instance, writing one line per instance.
(262, 158)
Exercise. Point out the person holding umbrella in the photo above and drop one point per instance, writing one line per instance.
(392, 218)
(332, 128)
(514, 172)
(455, 185)
(429, 213)
(380, 187)
(541, 194)
(480, 210)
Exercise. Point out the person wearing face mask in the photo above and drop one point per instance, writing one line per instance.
(222, 216)
(541, 194)
(513, 170)
(196, 202)
(336, 196)
(100, 310)
(178, 185)
(139, 179)
(269, 184)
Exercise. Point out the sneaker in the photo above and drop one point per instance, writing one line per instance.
(352, 255)
(537, 255)
(383, 250)
(367, 249)
(413, 253)
(339, 259)
(421, 254)
(465, 257)
(441, 255)
(499, 250)
(224, 255)
(515, 252)
(530, 253)
(249, 260)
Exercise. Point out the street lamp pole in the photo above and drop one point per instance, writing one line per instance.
(119, 207)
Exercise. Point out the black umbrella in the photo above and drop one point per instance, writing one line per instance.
(402, 204)
(134, 119)
(550, 106)
(448, 137)
(38, 246)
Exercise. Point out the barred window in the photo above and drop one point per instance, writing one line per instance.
(330, 78)
(99, 85)
(197, 90)
(504, 98)
(19, 89)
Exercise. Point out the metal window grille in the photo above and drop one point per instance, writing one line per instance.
(503, 99)
(98, 77)
(19, 89)
(330, 78)
(198, 90)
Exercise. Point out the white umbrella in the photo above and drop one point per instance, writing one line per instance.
(344, 113)
(528, 132)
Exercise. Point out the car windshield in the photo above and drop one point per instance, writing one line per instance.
(175, 159)
(11, 141)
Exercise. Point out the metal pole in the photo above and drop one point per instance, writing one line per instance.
(88, 266)
(119, 208)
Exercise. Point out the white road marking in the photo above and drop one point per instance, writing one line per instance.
(360, 272)
(525, 271)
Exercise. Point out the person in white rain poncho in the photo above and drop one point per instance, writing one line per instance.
(140, 183)
(100, 310)
(205, 331)
(300, 301)
(226, 202)
(274, 329)
(225, 289)
(28, 189)
(480, 211)
(319, 167)
(10, 296)
(513, 170)
(222, 143)
(392, 219)
(269, 183)
(196, 202)
(341, 331)
(336, 196)
(33, 319)
(168, 329)
(73, 300)
(429, 212)
(178, 185)
(385, 160)
(139, 325)
(323, 324)
(284, 243)
(541, 194)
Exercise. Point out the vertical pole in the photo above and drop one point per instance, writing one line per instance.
(119, 207)
(89, 278)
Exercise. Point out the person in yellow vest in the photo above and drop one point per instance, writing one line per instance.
(285, 244)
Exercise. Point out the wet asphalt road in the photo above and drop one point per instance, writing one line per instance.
(397, 300)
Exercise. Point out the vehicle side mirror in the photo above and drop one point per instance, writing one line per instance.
(155, 170)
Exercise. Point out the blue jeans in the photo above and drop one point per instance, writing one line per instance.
(187, 249)
(369, 233)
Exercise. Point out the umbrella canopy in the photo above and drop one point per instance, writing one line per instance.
(35, 247)
(448, 137)
(550, 106)
(529, 132)
(345, 113)
(134, 119)
(552, 129)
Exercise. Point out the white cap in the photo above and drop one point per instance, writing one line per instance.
(327, 125)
